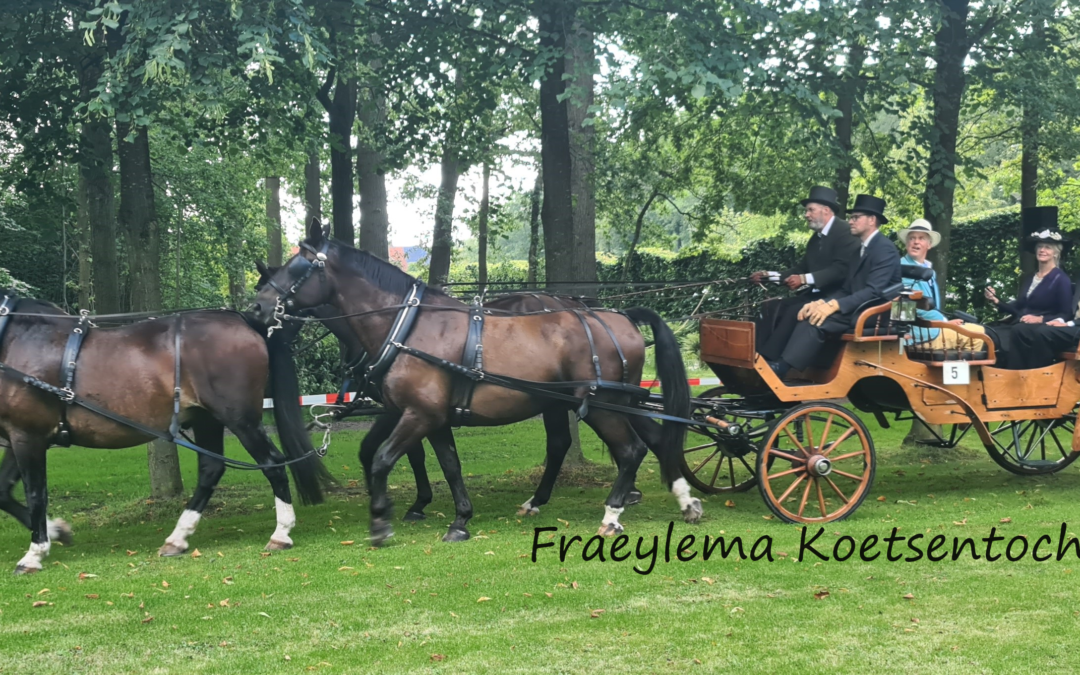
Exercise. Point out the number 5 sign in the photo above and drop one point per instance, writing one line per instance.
(956, 372)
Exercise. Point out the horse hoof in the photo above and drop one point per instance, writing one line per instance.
(456, 534)
(23, 569)
(693, 512)
(275, 545)
(63, 533)
(413, 516)
(610, 530)
(171, 550)
(381, 530)
(632, 497)
(528, 511)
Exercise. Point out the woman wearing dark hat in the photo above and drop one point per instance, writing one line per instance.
(1046, 294)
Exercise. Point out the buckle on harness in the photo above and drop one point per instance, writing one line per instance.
(66, 395)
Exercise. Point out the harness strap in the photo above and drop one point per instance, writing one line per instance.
(174, 425)
(472, 358)
(618, 347)
(6, 308)
(142, 428)
(399, 332)
(67, 377)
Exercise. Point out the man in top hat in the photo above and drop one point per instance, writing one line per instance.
(822, 270)
(876, 269)
(1033, 344)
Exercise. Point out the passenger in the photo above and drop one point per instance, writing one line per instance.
(876, 270)
(822, 271)
(918, 238)
(1043, 296)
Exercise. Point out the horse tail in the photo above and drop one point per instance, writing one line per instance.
(310, 475)
(675, 390)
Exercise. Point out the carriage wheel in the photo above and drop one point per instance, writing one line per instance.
(817, 464)
(716, 467)
(1034, 447)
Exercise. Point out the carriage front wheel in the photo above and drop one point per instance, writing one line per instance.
(816, 464)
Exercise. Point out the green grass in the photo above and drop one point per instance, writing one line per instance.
(328, 607)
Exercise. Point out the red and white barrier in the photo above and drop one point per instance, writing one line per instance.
(322, 399)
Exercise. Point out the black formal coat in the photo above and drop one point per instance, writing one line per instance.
(828, 257)
(867, 280)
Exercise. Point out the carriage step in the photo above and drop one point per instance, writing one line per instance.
(1037, 463)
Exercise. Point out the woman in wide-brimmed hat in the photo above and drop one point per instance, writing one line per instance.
(1046, 294)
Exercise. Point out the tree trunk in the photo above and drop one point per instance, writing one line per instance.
(534, 229)
(273, 220)
(580, 64)
(629, 260)
(235, 270)
(557, 209)
(374, 219)
(442, 237)
(139, 219)
(85, 264)
(312, 188)
(848, 95)
(482, 230)
(951, 49)
(341, 110)
(97, 210)
(1029, 156)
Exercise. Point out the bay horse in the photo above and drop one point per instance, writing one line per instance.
(551, 348)
(556, 422)
(131, 371)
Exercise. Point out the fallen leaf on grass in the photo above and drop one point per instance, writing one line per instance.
(821, 595)
(914, 620)
(483, 598)
(708, 580)
(697, 661)
(84, 575)
(768, 517)
(92, 596)
(730, 504)
(40, 603)
(132, 552)
(350, 542)
(224, 603)
(489, 552)
(574, 585)
(148, 619)
(438, 657)
(343, 568)
(1006, 520)
(196, 554)
(909, 596)
(550, 595)
(265, 614)
(881, 498)
(164, 584)
(566, 523)
(43, 591)
(595, 614)
(960, 522)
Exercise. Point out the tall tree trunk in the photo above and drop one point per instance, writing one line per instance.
(97, 210)
(482, 229)
(341, 110)
(273, 220)
(235, 268)
(312, 188)
(951, 44)
(1030, 124)
(139, 219)
(557, 209)
(629, 260)
(442, 237)
(848, 95)
(580, 63)
(374, 219)
(85, 264)
(534, 228)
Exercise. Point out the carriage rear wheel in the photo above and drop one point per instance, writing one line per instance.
(1034, 447)
(713, 461)
(817, 464)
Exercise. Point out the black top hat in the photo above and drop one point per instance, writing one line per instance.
(823, 195)
(1041, 225)
(872, 205)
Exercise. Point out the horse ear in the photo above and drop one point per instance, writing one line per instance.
(315, 232)
(261, 266)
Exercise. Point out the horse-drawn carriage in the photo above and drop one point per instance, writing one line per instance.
(814, 459)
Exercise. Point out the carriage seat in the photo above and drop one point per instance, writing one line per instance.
(938, 355)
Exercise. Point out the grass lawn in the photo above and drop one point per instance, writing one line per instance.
(420, 605)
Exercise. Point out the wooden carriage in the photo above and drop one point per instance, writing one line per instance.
(813, 459)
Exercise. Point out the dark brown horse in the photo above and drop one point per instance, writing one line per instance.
(130, 371)
(556, 422)
(545, 348)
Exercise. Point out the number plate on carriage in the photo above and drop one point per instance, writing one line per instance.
(956, 372)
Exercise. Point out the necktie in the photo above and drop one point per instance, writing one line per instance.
(862, 250)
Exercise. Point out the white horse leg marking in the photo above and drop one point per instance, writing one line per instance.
(185, 527)
(31, 562)
(610, 525)
(527, 509)
(690, 506)
(286, 521)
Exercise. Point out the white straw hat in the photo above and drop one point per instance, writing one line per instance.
(920, 225)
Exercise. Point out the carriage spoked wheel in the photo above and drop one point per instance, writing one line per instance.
(1034, 447)
(816, 464)
(718, 463)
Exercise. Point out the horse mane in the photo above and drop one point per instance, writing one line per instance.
(382, 274)
(23, 301)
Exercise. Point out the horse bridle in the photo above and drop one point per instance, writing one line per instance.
(302, 268)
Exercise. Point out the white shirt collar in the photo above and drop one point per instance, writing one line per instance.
(825, 230)
(867, 240)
